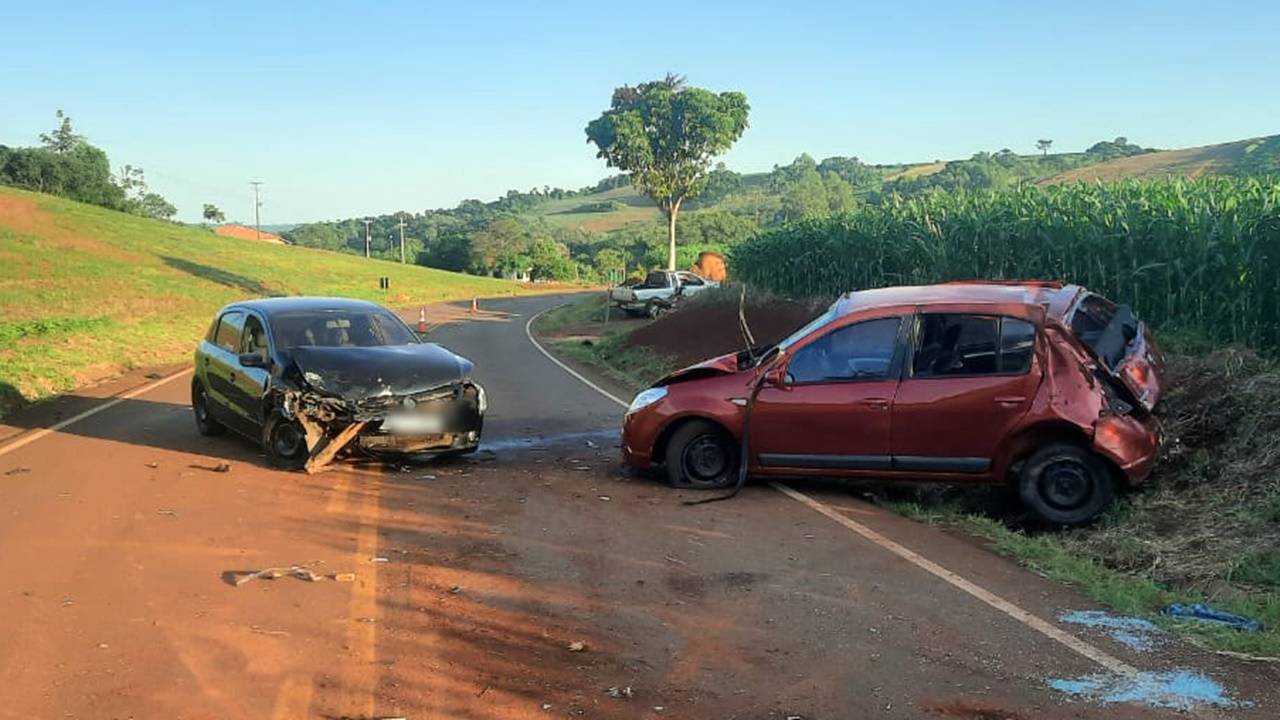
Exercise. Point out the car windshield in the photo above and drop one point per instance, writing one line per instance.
(339, 328)
(812, 325)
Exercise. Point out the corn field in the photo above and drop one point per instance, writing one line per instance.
(1200, 256)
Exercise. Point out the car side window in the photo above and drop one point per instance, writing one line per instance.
(230, 326)
(950, 345)
(862, 351)
(1017, 341)
(687, 278)
(254, 339)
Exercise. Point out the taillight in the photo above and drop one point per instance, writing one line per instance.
(1137, 372)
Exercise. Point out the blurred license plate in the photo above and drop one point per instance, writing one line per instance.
(412, 424)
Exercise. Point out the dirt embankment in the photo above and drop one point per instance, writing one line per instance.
(706, 329)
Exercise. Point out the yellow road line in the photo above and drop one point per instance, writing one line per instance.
(293, 702)
(360, 677)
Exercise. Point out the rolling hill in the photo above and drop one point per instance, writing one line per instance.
(1243, 157)
(86, 292)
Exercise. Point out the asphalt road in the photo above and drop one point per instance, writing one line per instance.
(524, 582)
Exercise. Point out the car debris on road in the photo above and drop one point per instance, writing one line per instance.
(240, 577)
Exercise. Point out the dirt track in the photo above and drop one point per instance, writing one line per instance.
(116, 539)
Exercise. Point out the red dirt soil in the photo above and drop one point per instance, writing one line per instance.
(707, 329)
(246, 233)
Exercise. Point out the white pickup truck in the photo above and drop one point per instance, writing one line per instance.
(658, 292)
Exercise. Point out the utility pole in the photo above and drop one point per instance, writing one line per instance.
(257, 207)
(402, 239)
(366, 237)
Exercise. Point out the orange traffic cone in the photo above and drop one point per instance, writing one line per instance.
(475, 305)
(422, 321)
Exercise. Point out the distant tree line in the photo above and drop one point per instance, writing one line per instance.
(65, 164)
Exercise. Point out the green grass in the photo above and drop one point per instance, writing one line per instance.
(87, 292)
(635, 368)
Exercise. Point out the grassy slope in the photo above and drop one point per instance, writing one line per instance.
(1220, 159)
(87, 292)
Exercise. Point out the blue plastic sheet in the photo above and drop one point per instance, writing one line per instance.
(1201, 611)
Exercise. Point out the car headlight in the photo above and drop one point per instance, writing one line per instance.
(647, 398)
(482, 400)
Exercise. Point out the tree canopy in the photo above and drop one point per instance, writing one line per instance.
(664, 134)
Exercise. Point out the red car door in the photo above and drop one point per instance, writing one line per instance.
(969, 380)
(832, 410)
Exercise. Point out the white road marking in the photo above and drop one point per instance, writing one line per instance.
(529, 334)
(1071, 642)
(35, 435)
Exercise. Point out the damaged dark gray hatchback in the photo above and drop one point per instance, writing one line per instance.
(314, 377)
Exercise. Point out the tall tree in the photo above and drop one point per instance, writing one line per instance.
(1043, 146)
(63, 139)
(212, 214)
(665, 134)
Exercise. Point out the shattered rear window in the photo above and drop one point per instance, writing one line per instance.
(339, 328)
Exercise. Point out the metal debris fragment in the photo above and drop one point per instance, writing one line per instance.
(239, 578)
(620, 692)
(18, 470)
(577, 646)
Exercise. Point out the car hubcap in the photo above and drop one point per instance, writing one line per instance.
(1066, 484)
(705, 459)
(288, 441)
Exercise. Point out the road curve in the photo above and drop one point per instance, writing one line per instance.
(534, 579)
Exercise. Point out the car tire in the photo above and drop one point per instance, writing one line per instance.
(653, 310)
(284, 442)
(701, 456)
(1065, 485)
(205, 424)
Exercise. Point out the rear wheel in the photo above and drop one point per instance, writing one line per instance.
(653, 310)
(205, 424)
(702, 456)
(1065, 485)
(284, 442)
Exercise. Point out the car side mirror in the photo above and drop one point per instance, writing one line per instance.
(254, 360)
(776, 376)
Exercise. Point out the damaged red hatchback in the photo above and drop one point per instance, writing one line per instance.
(1046, 385)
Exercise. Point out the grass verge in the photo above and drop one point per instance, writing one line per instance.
(579, 330)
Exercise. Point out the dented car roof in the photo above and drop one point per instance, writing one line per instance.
(1054, 297)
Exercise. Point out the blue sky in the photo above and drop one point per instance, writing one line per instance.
(343, 110)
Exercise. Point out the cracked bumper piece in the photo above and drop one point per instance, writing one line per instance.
(443, 420)
(1129, 442)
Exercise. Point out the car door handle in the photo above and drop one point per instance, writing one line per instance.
(1010, 400)
(878, 403)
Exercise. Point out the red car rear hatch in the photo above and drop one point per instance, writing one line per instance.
(1121, 344)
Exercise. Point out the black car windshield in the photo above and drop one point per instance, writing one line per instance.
(339, 328)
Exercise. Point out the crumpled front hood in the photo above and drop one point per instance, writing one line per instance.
(723, 365)
(361, 373)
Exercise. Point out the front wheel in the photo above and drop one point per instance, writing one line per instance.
(205, 424)
(1065, 485)
(284, 442)
(701, 456)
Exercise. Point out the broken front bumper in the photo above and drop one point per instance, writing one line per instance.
(442, 420)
